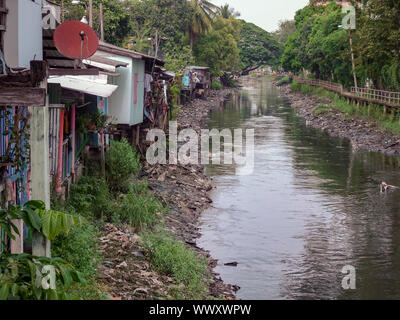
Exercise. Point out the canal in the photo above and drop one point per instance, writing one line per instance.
(311, 207)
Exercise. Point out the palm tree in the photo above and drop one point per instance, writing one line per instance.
(227, 12)
(203, 12)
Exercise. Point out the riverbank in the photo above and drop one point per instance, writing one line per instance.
(127, 272)
(322, 113)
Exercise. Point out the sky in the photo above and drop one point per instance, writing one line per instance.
(265, 13)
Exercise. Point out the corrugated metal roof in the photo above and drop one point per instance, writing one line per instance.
(85, 85)
(103, 46)
(197, 67)
(104, 63)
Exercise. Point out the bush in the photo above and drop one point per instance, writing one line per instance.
(140, 208)
(122, 162)
(216, 85)
(284, 80)
(90, 198)
(173, 259)
(80, 248)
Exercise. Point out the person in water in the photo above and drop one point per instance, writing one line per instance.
(386, 187)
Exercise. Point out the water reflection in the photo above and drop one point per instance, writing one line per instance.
(311, 207)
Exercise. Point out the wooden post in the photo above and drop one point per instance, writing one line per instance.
(40, 184)
(17, 245)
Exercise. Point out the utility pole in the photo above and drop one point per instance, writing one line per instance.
(91, 13)
(101, 22)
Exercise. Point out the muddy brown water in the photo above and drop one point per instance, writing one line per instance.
(311, 207)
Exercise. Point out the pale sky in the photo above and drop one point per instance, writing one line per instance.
(265, 13)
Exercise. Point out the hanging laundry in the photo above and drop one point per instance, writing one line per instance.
(148, 79)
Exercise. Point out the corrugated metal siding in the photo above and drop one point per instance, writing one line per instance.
(20, 187)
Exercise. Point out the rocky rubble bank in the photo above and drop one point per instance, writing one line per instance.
(363, 134)
(185, 189)
(126, 274)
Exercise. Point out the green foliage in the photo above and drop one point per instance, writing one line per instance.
(50, 223)
(90, 198)
(122, 162)
(322, 48)
(377, 43)
(203, 12)
(257, 48)
(227, 12)
(218, 49)
(216, 85)
(116, 15)
(284, 80)
(286, 29)
(140, 208)
(80, 248)
(177, 58)
(372, 113)
(322, 109)
(19, 277)
(172, 258)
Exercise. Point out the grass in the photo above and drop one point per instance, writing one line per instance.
(140, 208)
(80, 248)
(284, 80)
(216, 85)
(322, 109)
(373, 113)
(172, 258)
(102, 200)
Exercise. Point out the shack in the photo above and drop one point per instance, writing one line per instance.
(196, 82)
(127, 104)
(22, 98)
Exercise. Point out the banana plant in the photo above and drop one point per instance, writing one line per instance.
(26, 277)
(21, 275)
(50, 223)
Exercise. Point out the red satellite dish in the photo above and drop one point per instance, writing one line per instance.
(76, 40)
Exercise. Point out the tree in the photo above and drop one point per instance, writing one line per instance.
(116, 15)
(377, 42)
(257, 48)
(286, 29)
(203, 12)
(226, 12)
(218, 49)
(319, 45)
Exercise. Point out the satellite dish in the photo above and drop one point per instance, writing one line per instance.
(76, 40)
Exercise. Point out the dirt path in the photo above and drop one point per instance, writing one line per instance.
(125, 272)
(363, 134)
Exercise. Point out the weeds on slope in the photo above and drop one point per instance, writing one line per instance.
(373, 113)
(120, 198)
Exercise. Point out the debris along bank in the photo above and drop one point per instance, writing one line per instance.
(363, 133)
(126, 272)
